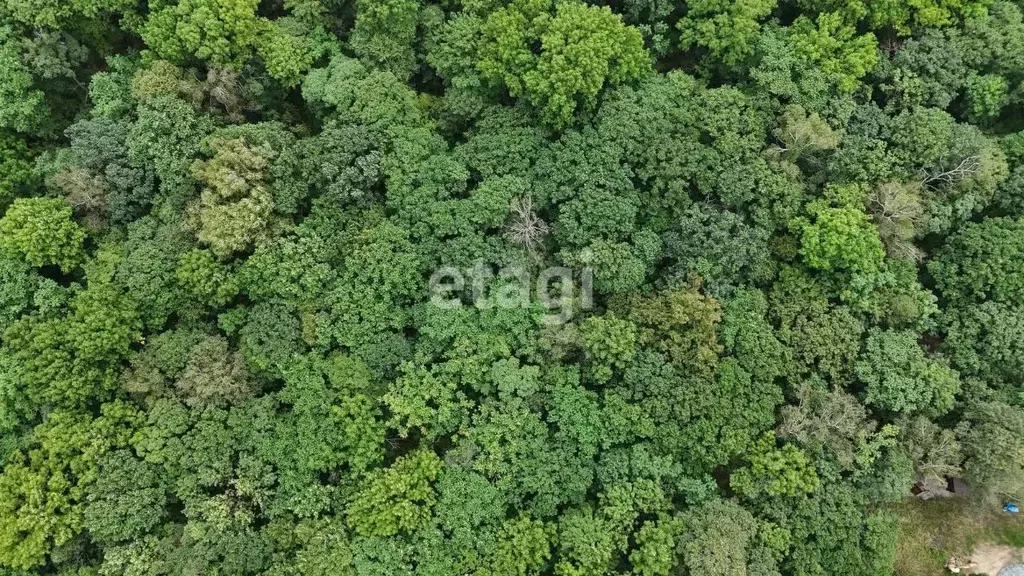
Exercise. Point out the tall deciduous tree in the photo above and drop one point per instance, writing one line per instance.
(965, 268)
(398, 498)
(235, 206)
(41, 232)
(727, 29)
(582, 48)
(220, 32)
(898, 376)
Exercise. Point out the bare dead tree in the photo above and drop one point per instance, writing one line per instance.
(894, 202)
(526, 229)
(226, 91)
(965, 169)
(902, 249)
(85, 192)
(891, 47)
(832, 419)
(935, 452)
(819, 415)
(935, 469)
(897, 210)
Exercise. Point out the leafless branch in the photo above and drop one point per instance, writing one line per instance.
(965, 169)
(526, 229)
(891, 47)
(898, 211)
(892, 202)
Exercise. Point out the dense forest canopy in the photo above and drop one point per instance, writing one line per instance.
(503, 287)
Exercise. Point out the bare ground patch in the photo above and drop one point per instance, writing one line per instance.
(932, 532)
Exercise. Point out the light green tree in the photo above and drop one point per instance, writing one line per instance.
(40, 231)
(582, 48)
(774, 471)
(397, 499)
(727, 29)
(840, 239)
(833, 44)
(220, 32)
(610, 343)
(235, 206)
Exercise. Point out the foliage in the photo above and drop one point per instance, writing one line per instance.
(289, 49)
(986, 95)
(22, 105)
(840, 239)
(610, 343)
(727, 29)
(221, 32)
(235, 206)
(899, 377)
(505, 288)
(202, 276)
(965, 269)
(41, 232)
(166, 136)
(718, 538)
(582, 48)
(772, 471)
(214, 375)
(397, 499)
(16, 176)
(834, 45)
(126, 501)
(903, 16)
(720, 247)
(681, 324)
(53, 14)
(990, 436)
(43, 490)
(800, 133)
(385, 34)
(73, 360)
